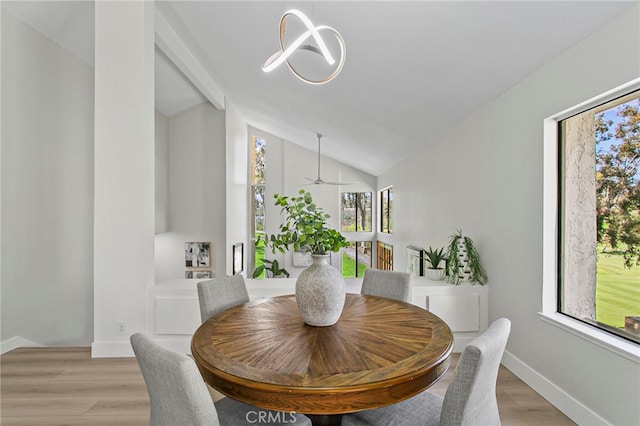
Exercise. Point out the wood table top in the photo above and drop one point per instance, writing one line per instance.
(381, 351)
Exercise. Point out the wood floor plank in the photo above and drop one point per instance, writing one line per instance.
(136, 407)
(74, 389)
(34, 407)
(77, 421)
(65, 386)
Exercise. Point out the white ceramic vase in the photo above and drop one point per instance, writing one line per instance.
(320, 293)
(465, 270)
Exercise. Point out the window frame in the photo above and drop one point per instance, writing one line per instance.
(253, 187)
(350, 242)
(585, 281)
(551, 233)
(389, 223)
(369, 211)
(384, 256)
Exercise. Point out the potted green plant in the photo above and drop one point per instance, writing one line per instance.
(320, 288)
(304, 227)
(271, 268)
(463, 262)
(434, 258)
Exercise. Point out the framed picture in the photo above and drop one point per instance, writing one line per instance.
(197, 274)
(238, 258)
(197, 255)
(415, 261)
(301, 258)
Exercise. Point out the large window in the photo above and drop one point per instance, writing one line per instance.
(386, 210)
(257, 169)
(356, 212)
(599, 216)
(356, 257)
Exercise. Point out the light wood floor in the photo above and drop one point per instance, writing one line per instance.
(65, 386)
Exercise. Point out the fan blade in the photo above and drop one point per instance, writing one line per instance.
(339, 183)
(324, 182)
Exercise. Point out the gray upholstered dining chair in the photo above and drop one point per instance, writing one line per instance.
(389, 284)
(470, 399)
(219, 294)
(179, 395)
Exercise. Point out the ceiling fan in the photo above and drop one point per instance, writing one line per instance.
(318, 180)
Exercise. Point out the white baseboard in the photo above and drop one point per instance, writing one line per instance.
(564, 402)
(16, 342)
(123, 348)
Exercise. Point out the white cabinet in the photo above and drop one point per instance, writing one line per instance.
(464, 307)
(174, 310)
(460, 311)
(177, 315)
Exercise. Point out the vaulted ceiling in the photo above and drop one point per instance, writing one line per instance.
(412, 70)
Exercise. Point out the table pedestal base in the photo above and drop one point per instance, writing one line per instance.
(325, 420)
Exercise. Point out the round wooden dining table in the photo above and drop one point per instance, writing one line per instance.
(381, 351)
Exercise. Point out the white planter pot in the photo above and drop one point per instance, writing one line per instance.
(320, 293)
(435, 274)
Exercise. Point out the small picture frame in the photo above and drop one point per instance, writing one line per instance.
(415, 261)
(197, 274)
(237, 256)
(197, 254)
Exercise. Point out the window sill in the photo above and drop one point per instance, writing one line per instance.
(605, 340)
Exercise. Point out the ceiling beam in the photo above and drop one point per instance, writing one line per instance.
(177, 51)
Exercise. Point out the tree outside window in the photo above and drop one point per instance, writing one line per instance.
(257, 169)
(356, 211)
(386, 210)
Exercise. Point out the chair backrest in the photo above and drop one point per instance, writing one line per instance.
(219, 294)
(176, 389)
(390, 284)
(471, 397)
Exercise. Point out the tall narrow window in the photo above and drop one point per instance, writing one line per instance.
(599, 220)
(258, 181)
(356, 257)
(356, 211)
(385, 256)
(386, 210)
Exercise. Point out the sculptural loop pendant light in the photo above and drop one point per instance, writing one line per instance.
(320, 48)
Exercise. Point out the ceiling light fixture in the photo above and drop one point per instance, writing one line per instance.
(283, 54)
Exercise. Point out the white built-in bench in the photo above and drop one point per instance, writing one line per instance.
(175, 314)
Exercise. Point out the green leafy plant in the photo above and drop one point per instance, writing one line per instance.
(271, 268)
(304, 227)
(456, 266)
(435, 257)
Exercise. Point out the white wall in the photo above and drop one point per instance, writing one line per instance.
(485, 176)
(197, 173)
(47, 190)
(48, 195)
(162, 172)
(124, 208)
